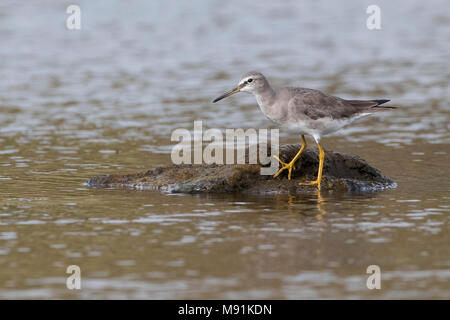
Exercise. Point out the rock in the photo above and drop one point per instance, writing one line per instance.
(341, 172)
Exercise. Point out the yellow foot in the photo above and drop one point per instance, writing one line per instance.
(285, 166)
(311, 183)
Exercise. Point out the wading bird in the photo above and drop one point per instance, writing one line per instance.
(305, 111)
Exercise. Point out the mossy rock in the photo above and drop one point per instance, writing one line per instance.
(340, 172)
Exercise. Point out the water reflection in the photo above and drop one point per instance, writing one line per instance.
(74, 105)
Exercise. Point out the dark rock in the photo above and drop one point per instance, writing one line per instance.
(341, 172)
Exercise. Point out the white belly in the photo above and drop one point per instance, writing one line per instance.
(321, 127)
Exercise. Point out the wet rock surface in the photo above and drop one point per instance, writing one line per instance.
(340, 172)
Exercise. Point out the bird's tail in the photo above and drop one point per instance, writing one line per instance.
(377, 108)
(370, 105)
(381, 101)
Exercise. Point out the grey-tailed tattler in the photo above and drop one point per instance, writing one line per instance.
(305, 111)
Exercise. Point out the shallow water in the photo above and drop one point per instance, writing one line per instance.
(105, 99)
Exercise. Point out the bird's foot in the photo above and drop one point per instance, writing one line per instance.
(290, 166)
(311, 183)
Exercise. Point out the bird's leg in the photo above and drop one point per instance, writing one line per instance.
(290, 166)
(319, 174)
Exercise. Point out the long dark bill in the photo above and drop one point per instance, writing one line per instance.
(227, 94)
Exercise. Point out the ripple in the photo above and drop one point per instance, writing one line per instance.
(115, 111)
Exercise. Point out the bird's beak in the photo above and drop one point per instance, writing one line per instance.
(227, 94)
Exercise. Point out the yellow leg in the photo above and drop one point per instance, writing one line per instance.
(290, 165)
(319, 174)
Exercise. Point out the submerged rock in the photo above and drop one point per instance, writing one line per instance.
(340, 171)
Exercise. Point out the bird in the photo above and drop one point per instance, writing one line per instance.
(306, 112)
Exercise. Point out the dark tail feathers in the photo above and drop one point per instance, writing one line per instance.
(378, 108)
(381, 101)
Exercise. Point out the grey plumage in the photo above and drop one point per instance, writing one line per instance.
(308, 110)
(315, 104)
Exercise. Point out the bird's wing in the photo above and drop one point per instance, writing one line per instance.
(315, 104)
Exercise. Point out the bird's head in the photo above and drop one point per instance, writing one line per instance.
(250, 82)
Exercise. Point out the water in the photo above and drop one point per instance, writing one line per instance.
(105, 99)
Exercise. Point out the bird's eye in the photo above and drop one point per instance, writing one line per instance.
(249, 80)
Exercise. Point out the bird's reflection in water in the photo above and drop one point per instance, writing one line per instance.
(310, 205)
(320, 205)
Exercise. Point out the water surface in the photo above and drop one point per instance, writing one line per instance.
(105, 99)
